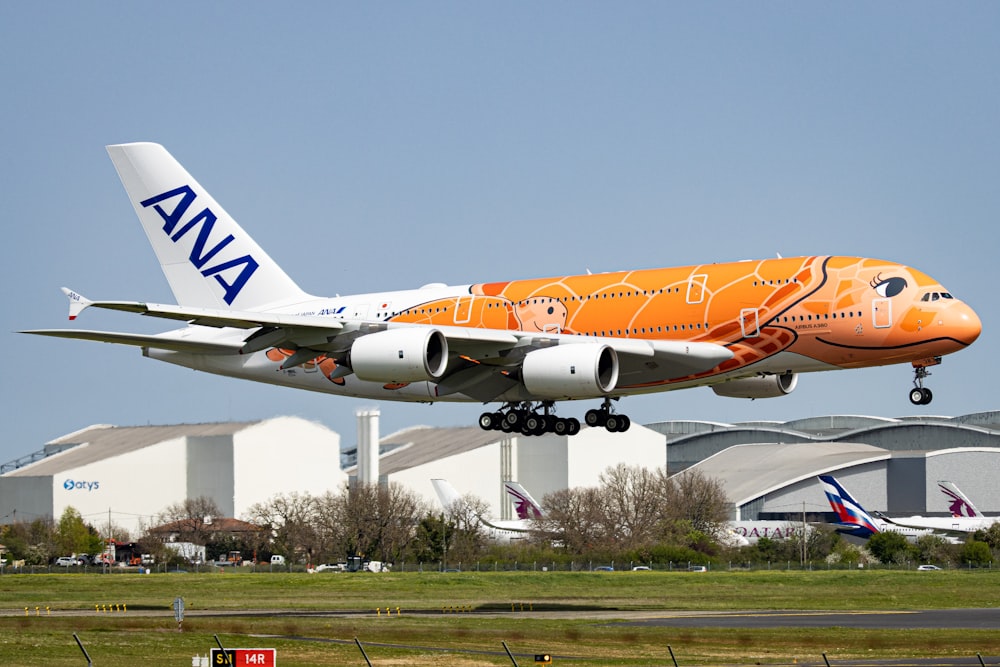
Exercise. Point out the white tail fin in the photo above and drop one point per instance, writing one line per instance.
(209, 261)
(958, 503)
(446, 493)
(524, 505)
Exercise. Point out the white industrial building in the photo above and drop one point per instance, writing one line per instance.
(477, 462)
(767, 469)
(129, 475)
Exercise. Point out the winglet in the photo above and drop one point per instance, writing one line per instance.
(77, 302)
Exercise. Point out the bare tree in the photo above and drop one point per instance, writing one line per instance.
(694, 497)
(573, 518)
(291, 522)
(464, 534)
(632, 506)
(191, 519)
(377, 521)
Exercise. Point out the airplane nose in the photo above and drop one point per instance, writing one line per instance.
(963, 323)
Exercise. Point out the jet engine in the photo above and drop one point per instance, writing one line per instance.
(579, 370)
(762, 386)
(400, 355)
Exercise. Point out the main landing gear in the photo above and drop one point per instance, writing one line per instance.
(921, 395)
(603, 416)
(525, 419)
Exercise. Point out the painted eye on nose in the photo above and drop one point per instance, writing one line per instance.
(888, 287)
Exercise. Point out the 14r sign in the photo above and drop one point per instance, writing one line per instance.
(245, 657)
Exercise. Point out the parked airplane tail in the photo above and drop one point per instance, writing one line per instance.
(853, 517)
(207, 258)
(958, 503)
(525, 506)
(446, 493)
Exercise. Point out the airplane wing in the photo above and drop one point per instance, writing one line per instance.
(174, 343)
(479, 359)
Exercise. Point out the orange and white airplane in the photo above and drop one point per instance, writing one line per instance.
(747, 328)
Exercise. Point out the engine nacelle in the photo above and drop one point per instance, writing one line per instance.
(579, 370)
(400, 355)
(762, 386)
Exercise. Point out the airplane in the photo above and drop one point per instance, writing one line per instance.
(749, 532)
(959, 504)
(958, 524)
(525, 506)
(747, 329)
(498, 529)
(856, 521)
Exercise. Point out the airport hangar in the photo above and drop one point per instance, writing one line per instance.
(767, 469)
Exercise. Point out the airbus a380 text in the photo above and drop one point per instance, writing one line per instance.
(744, 328)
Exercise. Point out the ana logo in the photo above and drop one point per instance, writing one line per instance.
(201, 255)
(76, 485)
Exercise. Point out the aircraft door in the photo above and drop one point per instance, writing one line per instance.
(749, 323)
(696, 288)
(882, 313)
(463, 309)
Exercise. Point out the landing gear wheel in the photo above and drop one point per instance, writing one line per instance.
(623, 423)
(561, 426)
(921, 396)
(596, 417)
(488, 421)
(573, 426)
(515, 418)
(613, 423)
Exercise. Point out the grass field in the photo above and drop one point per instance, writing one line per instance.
(462, 618)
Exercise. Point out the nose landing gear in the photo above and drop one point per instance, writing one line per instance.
(921, 395)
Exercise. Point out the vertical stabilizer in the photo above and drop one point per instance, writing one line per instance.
(446, 493)
(849, 511)
(958, 503)
(209, 261)
(524, 505)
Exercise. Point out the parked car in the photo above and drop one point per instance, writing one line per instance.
(65, 561)
(332, 567)
(604, 568)
(277, 559)
(641, 568)
(926, 568)
(697, 568)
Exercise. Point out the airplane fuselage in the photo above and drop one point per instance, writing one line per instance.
(777, 316)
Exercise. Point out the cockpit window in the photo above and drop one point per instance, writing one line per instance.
(934, 296)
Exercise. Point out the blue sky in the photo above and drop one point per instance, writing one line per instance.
(372, 146)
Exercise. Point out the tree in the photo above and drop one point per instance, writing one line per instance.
(931, 549)
(464, 535)
(573, 518)
(290, 520)
(377, 521)
(693, 496)
(632, 506)
(989, 535)
(73, 536)
(191, 519)
(888, 547)
(976, 553)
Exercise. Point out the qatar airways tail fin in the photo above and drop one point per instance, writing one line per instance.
(853, 517)
(209, 261)
(524, 504)
(958, 503)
